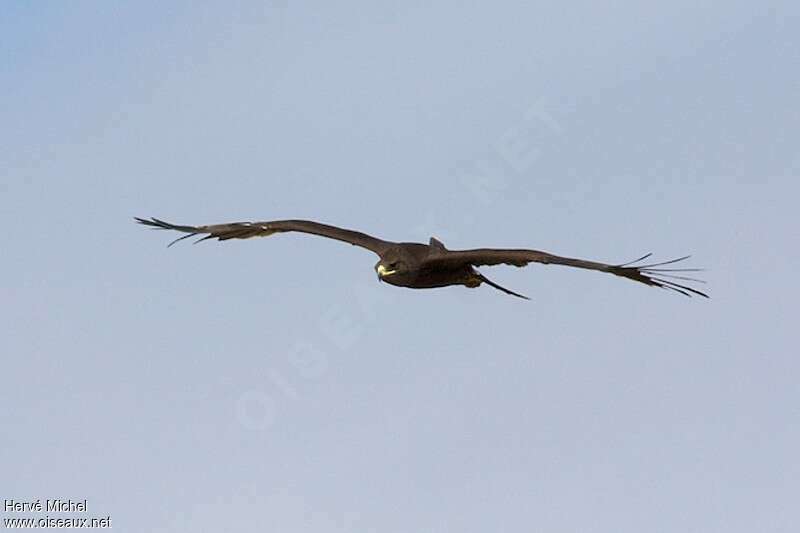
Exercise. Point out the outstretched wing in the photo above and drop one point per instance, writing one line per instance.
(246, 230)
(654, 274)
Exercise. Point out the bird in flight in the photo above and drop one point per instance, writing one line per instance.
(425, 266)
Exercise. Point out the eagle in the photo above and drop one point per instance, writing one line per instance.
(426, 266)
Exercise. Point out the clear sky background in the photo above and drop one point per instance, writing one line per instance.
(274, 385)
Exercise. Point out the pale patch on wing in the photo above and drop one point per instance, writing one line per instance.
(266, 232)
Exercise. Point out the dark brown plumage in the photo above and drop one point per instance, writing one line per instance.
(425, 266)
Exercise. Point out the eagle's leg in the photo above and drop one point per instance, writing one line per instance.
(473, 281)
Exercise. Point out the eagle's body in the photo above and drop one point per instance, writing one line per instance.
(423, 275)
(426, 266)
(431, 278)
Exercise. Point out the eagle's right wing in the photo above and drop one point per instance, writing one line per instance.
(246, 230)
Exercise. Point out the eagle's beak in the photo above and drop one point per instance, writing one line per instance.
(382, 272)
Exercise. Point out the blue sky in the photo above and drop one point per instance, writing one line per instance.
(274, 385)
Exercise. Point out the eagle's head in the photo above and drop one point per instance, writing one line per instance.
(394, 262)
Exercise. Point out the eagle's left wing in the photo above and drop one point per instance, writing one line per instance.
(653, 274)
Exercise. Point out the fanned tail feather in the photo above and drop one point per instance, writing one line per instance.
(659, 277)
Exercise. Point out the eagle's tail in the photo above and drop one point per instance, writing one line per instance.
(486, 280)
